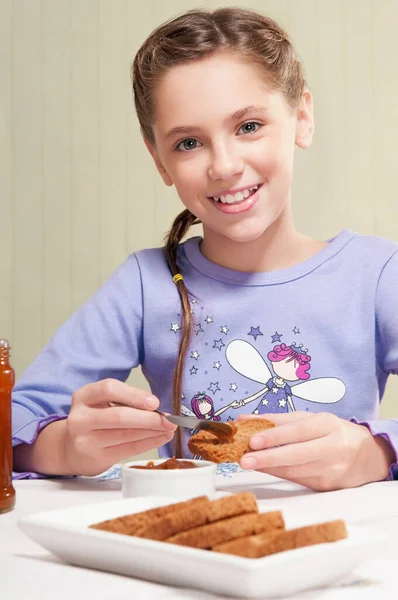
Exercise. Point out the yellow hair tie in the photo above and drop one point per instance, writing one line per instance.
(177, 278)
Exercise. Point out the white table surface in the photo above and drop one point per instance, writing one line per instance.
(29, 572)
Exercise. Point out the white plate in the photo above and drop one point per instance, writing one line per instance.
(66, 534)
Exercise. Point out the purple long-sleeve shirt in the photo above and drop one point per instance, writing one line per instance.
(319, 336)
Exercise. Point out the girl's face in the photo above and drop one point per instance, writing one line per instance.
(286, 369)
(220, 132)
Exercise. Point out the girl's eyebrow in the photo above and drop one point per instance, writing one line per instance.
(236, 116)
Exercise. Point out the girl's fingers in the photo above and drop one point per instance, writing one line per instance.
(106, 438)
(119, 417)
(292, 432)
(122, 451)
(289, 455)
(101, 393)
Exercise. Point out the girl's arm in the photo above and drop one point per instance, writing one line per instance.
(385, 432)
(325, 452)
(98, 342)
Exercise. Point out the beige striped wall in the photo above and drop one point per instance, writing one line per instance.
(78, 191)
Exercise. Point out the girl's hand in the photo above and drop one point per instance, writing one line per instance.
(320, 451)
(99, 435)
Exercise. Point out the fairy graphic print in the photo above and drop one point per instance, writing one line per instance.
(283, 371)
(202, 407)
(277, 397)
(289, 363)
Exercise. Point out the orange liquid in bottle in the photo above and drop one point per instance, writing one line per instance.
(7, 378)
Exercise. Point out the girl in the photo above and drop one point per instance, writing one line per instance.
(222, 104)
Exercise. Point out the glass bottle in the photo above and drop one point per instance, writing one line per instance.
(7, 378)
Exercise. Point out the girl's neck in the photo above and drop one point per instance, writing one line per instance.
(279, 247)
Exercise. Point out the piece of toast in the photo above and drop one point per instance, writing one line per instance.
(206, 445)
(165, 527)
(225, 530)
(129, 524)
(264, 544)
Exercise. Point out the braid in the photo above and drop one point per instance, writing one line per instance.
(179, 228)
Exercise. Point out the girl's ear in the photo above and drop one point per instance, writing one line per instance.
(305, 121)
(163, 173)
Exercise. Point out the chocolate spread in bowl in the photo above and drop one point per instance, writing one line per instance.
(171, 463)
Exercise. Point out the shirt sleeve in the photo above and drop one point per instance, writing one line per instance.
(387, 349)
(103, 339)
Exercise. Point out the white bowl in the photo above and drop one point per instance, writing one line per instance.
(179, 483)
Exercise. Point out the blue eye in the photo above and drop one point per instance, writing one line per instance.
(187, 145)
(250, 127)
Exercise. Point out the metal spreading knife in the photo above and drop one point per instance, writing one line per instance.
(224, 431)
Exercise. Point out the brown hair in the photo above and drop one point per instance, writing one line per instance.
(194, 35)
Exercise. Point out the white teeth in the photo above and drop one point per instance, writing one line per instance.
(238, 197)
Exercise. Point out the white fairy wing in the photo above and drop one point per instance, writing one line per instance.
(247, 361)
(187, 412)
(325, 390)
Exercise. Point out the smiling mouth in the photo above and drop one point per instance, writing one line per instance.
(238, 197)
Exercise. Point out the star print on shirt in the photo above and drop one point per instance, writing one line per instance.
(195, 354)
(255, 331)
(224, 329)
(233, 387)
(256, 412)
(213, 388)
(274, 390)
(282, 403)
(265, 402)
(209, 320)
(230, 419)
(174, 327)
(217, 365)
(197, 327)
(276, 337)
(218, 344)
(296, 330)
(193, 370)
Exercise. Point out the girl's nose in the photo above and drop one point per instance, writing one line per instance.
(225, 164)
